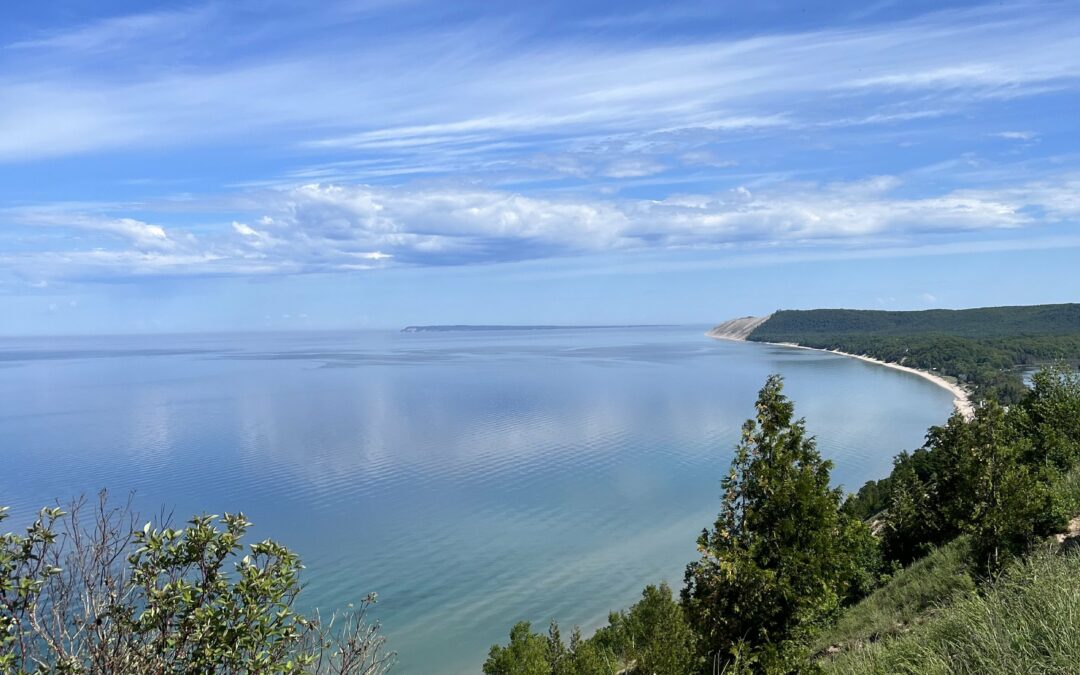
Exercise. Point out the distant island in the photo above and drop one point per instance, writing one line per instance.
(984, 351)
(467, 327)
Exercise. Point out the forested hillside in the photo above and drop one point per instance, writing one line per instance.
(986, 348)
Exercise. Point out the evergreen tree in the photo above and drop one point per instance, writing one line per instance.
(779, 556)
(911, 524)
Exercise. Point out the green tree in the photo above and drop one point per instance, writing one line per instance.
(586, 657)
(863, 563)
(1050, 416)
(911, 523)
(652, 637)
(527, 653)
(929, 493)
(1011, 501)
(994, 476)
(778, 558)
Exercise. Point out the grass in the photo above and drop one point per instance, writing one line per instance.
(930, 619)
(1027, 622)
(907, 599)
(1070, 488)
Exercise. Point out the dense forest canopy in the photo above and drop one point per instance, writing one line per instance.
(986, 348)
(980, 323)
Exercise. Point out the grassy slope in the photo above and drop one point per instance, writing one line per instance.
(1027, 621)
(929, 619)
(910, 598)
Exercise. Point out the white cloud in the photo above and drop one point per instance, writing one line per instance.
(462, 225)
(254, 238)
(1017, 135)
(342, 228)
(632, 168)
(141, 235)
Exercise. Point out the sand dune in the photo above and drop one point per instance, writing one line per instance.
(737, 329)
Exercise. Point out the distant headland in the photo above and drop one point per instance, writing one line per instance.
(974, 353)
(468, 327)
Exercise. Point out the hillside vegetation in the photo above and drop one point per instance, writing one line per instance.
(920, 572)
(985, 348)
(1025, 621)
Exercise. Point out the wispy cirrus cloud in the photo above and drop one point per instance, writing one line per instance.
(117, 33)
(470, 82)
(1017, 135)
(141, 235)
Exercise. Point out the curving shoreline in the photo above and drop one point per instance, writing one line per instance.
(961, 397)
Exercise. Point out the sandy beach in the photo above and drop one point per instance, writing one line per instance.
(737, 330)
(961, 398)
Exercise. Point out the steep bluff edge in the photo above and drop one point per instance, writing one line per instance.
(737, 329)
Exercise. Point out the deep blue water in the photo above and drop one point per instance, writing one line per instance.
(471, 479)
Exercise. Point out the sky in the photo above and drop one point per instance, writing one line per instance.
(349, 164)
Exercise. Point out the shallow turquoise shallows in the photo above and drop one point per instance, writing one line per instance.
(472, 479)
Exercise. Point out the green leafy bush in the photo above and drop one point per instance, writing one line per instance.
(105, 596)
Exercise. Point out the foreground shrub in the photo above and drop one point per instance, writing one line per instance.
(653, 635)
(103, 596)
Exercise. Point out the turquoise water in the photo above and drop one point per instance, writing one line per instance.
(471, 479)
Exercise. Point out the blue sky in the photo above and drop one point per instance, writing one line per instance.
(265, 164)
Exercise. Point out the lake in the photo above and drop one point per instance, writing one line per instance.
(472, 479)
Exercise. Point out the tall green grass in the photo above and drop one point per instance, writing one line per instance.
(1070, 488)
(1026, 622)
(908, 598)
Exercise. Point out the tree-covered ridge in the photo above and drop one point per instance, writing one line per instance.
(983, 348)
(980, 323)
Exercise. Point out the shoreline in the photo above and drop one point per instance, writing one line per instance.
(961, 398)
